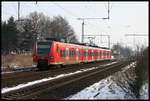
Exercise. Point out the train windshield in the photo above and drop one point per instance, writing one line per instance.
(43, 48)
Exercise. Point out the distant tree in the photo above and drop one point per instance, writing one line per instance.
(9, 35)
(26, 36)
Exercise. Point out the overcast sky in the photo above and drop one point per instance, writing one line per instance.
(125, 18)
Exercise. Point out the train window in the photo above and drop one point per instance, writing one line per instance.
(84, 53)
(61, 53)
(64, 53)
(69, 52)
(72, 53)
(80, 53)
(57, 48)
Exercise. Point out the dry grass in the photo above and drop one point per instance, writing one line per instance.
(16, 60)
(142, 69)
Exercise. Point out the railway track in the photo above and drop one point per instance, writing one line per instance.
(60, 88)
(13, 79)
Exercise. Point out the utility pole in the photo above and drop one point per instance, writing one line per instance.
(109, 41)
(83, 31)
(83, 19)
(108, 9)
(18, 10)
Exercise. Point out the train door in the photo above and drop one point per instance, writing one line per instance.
(92, 56)
(86, 54)
(77, 57)
(102, 54)
(67, 54)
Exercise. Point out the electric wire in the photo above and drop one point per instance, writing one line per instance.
(66, 10)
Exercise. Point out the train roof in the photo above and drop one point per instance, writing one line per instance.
(84, 44)
(91, 45)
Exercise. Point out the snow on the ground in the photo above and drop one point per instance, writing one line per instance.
(107, 88)
(133, 64)
(18, 69)
(4, 90)
(144, 91)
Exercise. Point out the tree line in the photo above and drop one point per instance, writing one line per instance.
(22, 34)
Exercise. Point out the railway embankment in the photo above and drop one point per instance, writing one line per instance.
(13, 61)
(135, 79)
(120, 85)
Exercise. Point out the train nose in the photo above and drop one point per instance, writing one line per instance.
(42, 58)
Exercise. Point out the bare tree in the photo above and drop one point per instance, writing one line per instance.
(38, 22)
(61, 30)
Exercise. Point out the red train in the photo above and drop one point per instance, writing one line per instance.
(53, 52)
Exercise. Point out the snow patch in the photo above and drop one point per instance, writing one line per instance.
(133, 64)
(144, 91)
(105, 89)
(112, 87)
(4, 90)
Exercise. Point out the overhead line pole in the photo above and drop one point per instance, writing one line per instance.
(18, 10)
(83, 19)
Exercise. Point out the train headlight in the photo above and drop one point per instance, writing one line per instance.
(51, 57)
(34, 56)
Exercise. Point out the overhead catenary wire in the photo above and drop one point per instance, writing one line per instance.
(70, 13)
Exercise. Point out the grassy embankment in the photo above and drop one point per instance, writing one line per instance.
(18, 60)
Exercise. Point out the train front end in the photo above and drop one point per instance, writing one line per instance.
(41, 53)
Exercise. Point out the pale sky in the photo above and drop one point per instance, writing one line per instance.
(125, 18)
